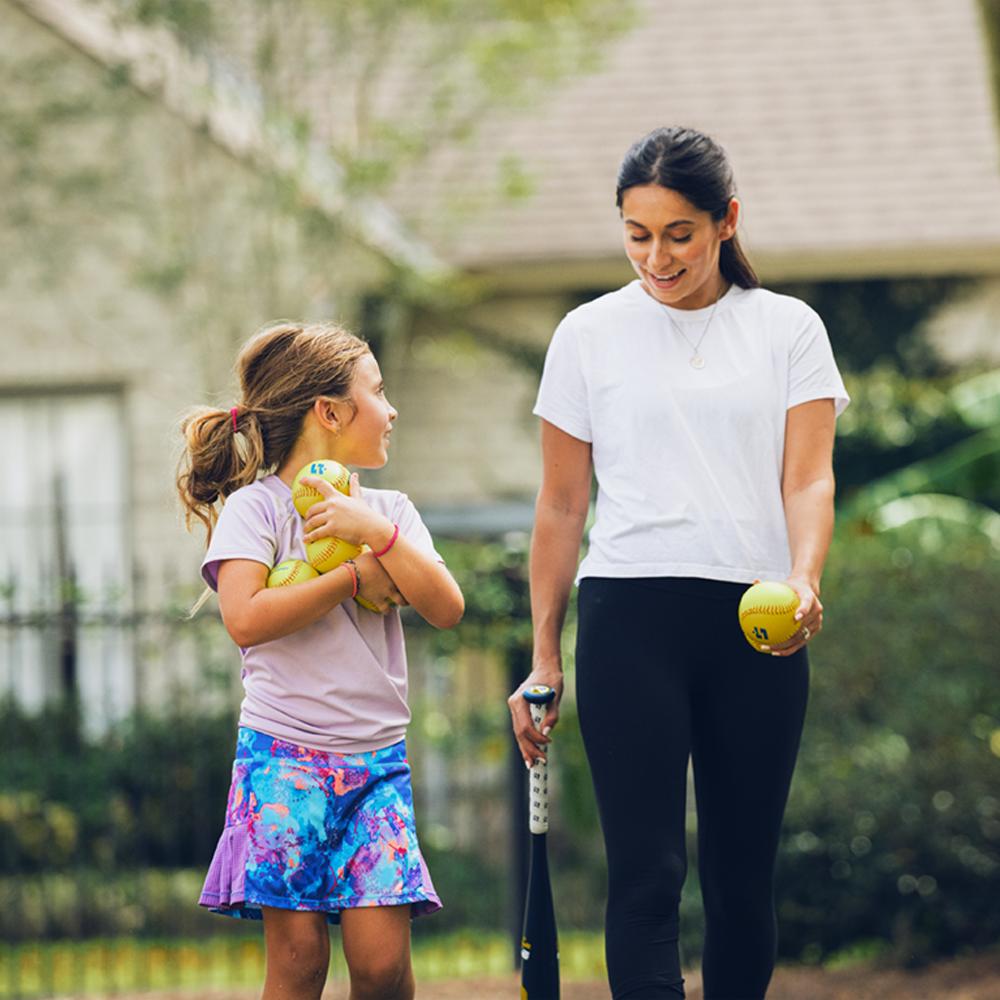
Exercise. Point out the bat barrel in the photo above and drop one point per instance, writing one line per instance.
(539, 942)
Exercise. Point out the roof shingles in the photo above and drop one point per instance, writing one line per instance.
(852, 127)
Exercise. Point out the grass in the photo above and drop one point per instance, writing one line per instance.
(107, 966)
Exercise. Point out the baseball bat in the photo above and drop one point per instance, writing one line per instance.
(539, 946)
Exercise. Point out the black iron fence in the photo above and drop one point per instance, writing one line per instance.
(117, 724)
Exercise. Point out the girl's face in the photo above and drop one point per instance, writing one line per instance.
(674, 247)
(363, 438)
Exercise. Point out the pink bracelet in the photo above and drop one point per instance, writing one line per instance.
(349, 566)
(392, 541)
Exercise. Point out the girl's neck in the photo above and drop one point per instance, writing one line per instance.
(313, 443)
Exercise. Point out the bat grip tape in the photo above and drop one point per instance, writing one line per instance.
(538, 800)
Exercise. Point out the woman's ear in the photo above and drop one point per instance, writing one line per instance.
(727, 227)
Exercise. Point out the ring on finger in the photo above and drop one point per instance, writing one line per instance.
(806, 632)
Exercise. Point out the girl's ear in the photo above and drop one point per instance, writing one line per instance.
(328, 412)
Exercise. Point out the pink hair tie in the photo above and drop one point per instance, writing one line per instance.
(233, 413)
(392, 541)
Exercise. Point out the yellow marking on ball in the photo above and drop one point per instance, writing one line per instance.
(326, 554)
(767, 614)
(367, 605)
(290, 571)
(323, 468)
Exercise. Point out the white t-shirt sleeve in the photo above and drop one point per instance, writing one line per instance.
(812, 370)
(245, 530)
(562, 395)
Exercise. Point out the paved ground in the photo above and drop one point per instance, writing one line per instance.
(976, 978)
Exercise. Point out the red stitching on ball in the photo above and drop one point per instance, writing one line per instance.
(328, 549)
(768, 609)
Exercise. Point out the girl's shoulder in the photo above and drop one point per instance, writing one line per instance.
(267, 500)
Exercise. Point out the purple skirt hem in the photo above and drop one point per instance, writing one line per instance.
(224, 891)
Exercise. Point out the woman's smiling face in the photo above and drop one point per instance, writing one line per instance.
(674, 246)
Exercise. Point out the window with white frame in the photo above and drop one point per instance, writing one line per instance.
(64, 566)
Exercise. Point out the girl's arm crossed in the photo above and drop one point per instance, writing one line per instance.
(254, 613)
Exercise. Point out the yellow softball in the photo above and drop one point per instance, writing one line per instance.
(767, 614)
(333, 472)
(290, 571)
(325, 554)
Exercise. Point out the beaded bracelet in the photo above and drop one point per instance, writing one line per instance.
(392, 541)
(355, 576)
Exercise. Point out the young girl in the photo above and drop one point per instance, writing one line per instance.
(319, 823)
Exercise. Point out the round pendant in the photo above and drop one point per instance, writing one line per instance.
(697, 361)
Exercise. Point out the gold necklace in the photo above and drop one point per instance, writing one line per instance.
(696, 360)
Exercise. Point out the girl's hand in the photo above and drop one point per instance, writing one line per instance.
(809, 613)
(376, 585)
(339, 516)
(530, 741)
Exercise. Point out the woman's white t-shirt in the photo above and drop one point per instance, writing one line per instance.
(688, 461)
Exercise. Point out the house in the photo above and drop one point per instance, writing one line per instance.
(146, 235)
(150, 230)
(864, 140)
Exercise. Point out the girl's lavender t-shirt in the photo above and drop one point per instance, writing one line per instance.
(339, 684)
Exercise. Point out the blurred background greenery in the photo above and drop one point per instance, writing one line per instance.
(146, 236)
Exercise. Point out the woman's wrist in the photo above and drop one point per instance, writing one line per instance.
(547, 664)
(812, 579)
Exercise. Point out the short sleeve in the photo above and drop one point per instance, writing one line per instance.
(562, 395)
(412, 527)
(812, 370)
(245, 530)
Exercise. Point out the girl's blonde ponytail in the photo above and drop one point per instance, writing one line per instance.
(282, 370)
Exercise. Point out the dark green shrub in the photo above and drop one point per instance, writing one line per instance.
(151, 792)
(893, 829)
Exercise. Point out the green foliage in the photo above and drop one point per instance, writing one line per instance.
(990, 13)
(893, 829)
(151, 792)
(191, 20)
(408, 74)
(879, 321)
(492, 577)
(92, 902)
(55, 137)
(892, 837)
(902, 435)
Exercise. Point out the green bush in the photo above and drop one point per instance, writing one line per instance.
(892, 836)
(893, 828)
(91, 903)
(891, 840)
(151, 792)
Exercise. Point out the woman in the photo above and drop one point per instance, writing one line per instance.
(705, 407)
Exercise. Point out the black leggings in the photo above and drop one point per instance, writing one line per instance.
(663, 673)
